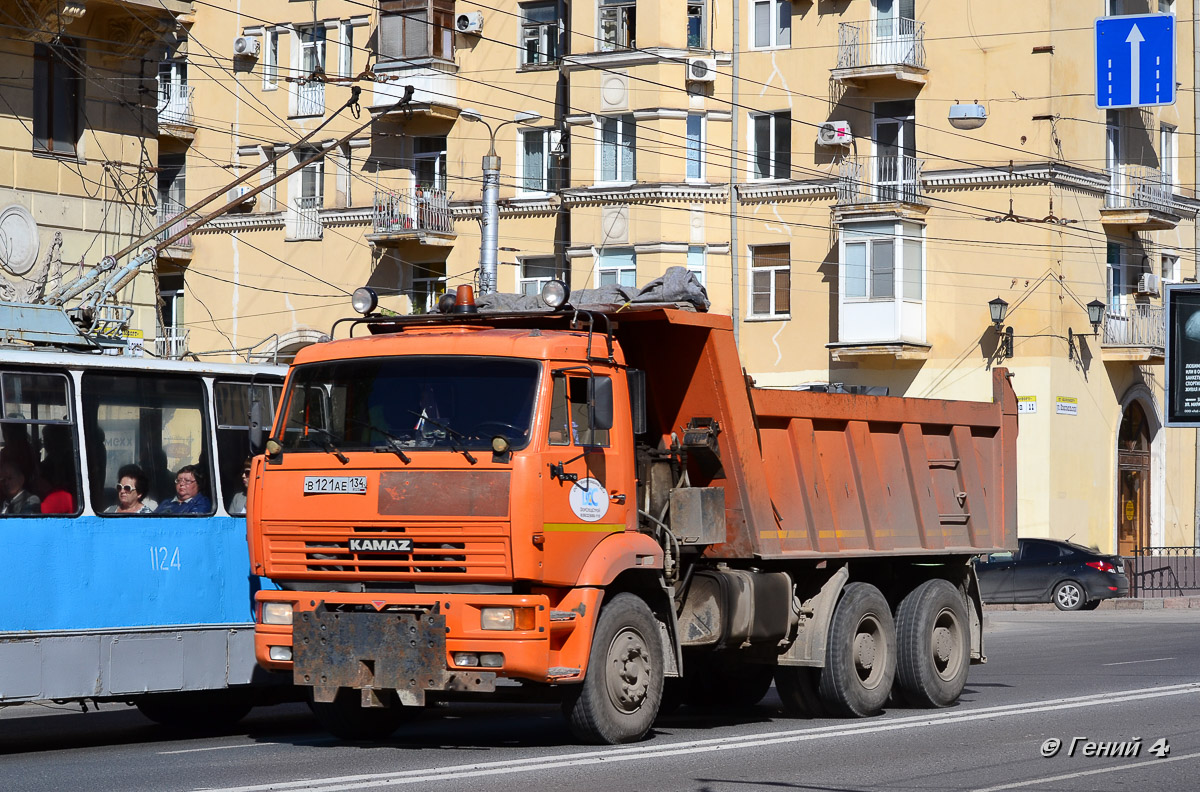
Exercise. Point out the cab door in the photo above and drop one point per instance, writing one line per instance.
(587, 471)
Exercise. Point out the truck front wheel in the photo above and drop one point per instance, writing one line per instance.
(346, 718)
(621, 692)
(935, 645)
(860, 660)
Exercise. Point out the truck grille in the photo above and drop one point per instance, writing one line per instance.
(475, 551)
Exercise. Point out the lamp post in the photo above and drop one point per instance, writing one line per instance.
(490, 238)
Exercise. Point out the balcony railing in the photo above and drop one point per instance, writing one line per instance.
(882, 42)
(175, 104)
(427, 210)
(172, 343)
(1137, 187)
(883, 179)
(305, 219)
(1136, 325)
(169, 209)
(310, 98)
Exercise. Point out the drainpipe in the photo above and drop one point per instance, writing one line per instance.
(562, 97)
(734, 162)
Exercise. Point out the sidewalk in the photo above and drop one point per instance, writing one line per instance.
(1122, 603)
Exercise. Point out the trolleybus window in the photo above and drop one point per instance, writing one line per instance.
(154, 421)
(232, 401)
(39, 461)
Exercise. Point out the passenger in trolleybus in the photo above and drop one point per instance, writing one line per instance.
(17, 499)
(131, 492)
(237, 506)
(188, 497)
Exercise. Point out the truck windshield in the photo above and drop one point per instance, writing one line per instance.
(412, 403)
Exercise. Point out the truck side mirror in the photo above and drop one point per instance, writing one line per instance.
(256, 427)
(637, 399)
(600, 403)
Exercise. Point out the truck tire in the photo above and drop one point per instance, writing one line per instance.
(621, 692)
(797, 689)
(934, 644)
(860, 660)
(346, 718)
(197, 710)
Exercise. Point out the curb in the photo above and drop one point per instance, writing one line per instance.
(1123, 603)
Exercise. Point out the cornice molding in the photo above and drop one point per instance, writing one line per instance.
(645, 193)
(619, 59)
(242, 222)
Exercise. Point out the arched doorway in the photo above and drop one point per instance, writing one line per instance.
(1133, 481)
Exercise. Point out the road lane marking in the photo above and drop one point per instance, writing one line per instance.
(1131, 662)
(641, 752)
(211, 748)
(1108, 769)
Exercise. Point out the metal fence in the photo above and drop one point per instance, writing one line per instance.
(882, 42)
(169, 209)
(174, 103)
(1137, 187)
(1164, 571)
(172, 343)
(310, 98)
(1137, 325)
(880, 179)
(305, 222)
(418, 210)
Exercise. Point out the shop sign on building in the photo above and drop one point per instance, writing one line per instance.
(1183, 354)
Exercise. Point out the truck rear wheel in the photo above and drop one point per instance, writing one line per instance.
(797, 688)
(934, 644)
(620, 695)
(346, 718)
(860, 660)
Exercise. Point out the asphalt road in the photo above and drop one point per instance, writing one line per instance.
(1101, 677)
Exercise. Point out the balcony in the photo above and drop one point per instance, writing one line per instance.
(171, 343)
(435, 88)
(309, 98)
(887, 185)
(303, 219)
(1139, 199)
(175, 118)
(883, 49)
(1134, 333)
(422, 216)
(180, 249)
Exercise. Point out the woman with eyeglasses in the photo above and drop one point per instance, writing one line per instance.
(131, 492)
(238, 504)
(188, 497)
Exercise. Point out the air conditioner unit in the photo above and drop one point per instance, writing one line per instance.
(702, 70)
(237, 192)
(469, 23)
(1150, 284)
(834, 133)
(246, 47)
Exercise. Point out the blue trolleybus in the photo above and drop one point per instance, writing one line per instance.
(121, 523)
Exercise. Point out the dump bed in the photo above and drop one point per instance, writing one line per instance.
(809, 474)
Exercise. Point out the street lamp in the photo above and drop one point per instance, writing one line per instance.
(999, 309)
(490, 238)
(1095, 311)
(967, 116)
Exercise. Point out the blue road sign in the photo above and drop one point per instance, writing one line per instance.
(1135, 60)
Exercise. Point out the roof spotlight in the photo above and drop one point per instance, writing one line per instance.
(555, 294)
(364, 300)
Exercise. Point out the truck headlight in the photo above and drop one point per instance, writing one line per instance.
(507, 618)
(277, 613)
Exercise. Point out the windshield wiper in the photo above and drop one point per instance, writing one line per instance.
(450, 434)
(393, 444)
(327, 444)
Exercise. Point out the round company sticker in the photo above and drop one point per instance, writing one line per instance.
(589, 501)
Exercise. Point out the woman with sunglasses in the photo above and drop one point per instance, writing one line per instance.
(237, 505)
(131, 492)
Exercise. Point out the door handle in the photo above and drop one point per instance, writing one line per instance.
(618, 498)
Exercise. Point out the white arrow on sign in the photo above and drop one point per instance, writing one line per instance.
(1134, 40)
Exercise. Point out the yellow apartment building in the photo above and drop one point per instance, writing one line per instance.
(799, 157)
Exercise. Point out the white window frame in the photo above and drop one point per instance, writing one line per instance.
(621, 271)
(751, 170)
(346, 48)
(703, 4)
(270, 59)
(624, 39)
(1168, 154)
(544, 33)
(772, 312)
(536, 282)
(1170, 270)
(523, 187)
(434, 286)
(699, 155)
(268, 198)
(697, 262)
(626, 135)
(777, 10)
(437, 157)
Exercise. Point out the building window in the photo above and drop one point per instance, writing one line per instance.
(873, 271)
(695, 25)
(57, 96)
(537, 272)
(267, 199)
(428, 284)
(1167, 155)
(416, 29)
(617, 267)
(304, 221)
(270, 62)
(618, 24)
(771, 25)
(618, 141)
(770, 280)
(695, 146)
(309, 91)
(535, 161)
(429, 162)
(696, 262)
(346, 49)
(772, 146)
(1121, 283)
(1170, 268)
(539, 34)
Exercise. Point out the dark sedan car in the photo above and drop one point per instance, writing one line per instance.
(1071, 576)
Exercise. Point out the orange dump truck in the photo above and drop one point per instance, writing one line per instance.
(601, 506)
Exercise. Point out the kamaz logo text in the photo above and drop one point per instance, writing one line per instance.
(380, 545)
